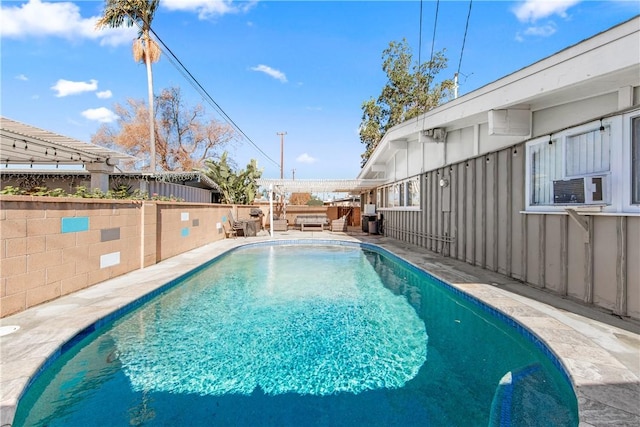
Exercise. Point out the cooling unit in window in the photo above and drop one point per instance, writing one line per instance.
(587, 190)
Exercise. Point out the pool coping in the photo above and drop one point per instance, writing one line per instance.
(590, 351)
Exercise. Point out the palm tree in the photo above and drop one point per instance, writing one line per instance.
(140, 13)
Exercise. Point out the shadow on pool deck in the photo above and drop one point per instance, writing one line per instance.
(601, 352)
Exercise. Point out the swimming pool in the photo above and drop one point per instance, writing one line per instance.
(362, 339)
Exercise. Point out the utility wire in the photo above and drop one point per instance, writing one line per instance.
(433, 40)
(464, 39)
(419, 54)
(196, 84)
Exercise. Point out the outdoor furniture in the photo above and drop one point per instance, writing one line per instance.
(235, 226)
(312, 220)
(280, 225)
(339, 224)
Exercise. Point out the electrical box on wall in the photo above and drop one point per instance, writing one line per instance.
(514, 122)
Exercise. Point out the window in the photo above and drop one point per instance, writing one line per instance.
(588, 152)
(595, 166)
(393, 196)
(413, 192)
(635, 160)
(403, 194)
(546, 167)
(573, 154)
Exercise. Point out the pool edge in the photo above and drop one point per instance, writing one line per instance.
(10, 400)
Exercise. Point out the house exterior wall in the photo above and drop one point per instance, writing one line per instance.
(51, 247)
(482, 211)
(487, 187)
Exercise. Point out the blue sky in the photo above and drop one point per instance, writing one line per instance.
(300, 67)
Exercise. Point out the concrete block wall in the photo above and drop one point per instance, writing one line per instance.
(51, 247)
(183, 227)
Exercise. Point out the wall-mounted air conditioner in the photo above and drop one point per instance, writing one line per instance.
(435, 134)
(586, 190)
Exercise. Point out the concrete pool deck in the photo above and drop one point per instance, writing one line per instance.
(600, 352)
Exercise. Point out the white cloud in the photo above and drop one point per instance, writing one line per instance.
(57, 19)
(209, 8)
(541, 30)
(67, 87)
(276, 74)
(532, 10)
(305, 158)
(105, 94)
(22, 77)
(102, 115)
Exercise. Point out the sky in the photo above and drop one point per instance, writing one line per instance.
(303, 68)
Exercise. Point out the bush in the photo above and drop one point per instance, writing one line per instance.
(123, 192)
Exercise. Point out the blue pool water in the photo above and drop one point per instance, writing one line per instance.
(292, 335)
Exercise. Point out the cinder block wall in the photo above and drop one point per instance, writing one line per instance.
(182, 227)
(51, 247)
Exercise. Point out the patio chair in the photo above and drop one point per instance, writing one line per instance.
(339, 225)
(236, 225)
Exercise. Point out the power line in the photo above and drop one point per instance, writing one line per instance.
(419, 58)
(433, 40)
(464, 39)
(196, 84)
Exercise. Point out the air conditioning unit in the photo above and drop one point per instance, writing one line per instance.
(436, 134)
(586, 190)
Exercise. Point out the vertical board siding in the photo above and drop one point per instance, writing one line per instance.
(632, 267)
(518, 221)
(482, 210)
(503, 213)
(575, 261)
(621, 266)
(480, 213)
(605, 255)
(553, 253)
(564, 255)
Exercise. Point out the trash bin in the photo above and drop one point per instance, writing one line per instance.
(373, 226)
(366, 218)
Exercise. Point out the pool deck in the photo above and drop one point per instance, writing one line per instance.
(601, 352)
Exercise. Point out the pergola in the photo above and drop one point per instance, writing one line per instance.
(351, 186)
(22, 144)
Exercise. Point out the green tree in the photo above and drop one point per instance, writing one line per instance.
(237, 187)
(137, 12)
(410, 91)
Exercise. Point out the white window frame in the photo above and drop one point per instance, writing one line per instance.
(626, 187)
(399, 203)
(618, 176)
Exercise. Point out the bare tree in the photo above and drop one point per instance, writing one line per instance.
(185, 136)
